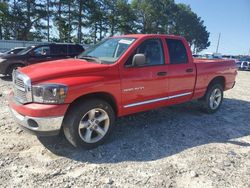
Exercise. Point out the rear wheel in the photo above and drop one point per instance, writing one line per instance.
(213, 98)
(89, 124)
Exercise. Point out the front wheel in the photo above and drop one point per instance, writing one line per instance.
(89, 124)
(213, 98)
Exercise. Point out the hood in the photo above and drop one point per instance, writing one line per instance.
(61, 68)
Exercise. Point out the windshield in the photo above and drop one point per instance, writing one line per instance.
(109, 50)
(8, 52)
(24, 51)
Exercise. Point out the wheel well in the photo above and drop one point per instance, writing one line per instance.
(100, 95)
(218, 80)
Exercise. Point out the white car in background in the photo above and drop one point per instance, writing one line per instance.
(13, 51)
(243, 64)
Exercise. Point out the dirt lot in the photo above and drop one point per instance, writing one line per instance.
(177, 146)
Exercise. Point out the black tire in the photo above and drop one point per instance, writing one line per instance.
(12, 68)
(206, 101)
(71, 123)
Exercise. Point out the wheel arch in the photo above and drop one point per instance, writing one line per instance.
(96, 95)
(218, 80)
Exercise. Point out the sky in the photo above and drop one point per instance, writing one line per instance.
(231, 18)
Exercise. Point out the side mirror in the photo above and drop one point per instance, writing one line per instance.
(139, 60)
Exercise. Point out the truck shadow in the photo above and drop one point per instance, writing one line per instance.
(163, 132)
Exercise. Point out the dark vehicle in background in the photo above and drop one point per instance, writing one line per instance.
(229, 57)
(197, 56)
(38, 54)
(13, 51)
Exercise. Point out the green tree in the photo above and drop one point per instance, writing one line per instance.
(92, 20)
(188, 24)
(4, 19)
(153, 16)
(127, 18)
(164, 16)
(25, 15)
(63, 19)
(96, 20)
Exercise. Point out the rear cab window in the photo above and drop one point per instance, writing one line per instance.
(177, 51)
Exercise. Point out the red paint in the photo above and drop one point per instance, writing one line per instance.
(37, 110)
(84, 78)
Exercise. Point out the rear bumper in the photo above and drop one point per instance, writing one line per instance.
(230, 85)
(234, 84)
(45, 126)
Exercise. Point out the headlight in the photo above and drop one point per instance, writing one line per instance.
(2, 60)
(49, 93)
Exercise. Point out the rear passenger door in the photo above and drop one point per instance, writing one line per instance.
(74, 50)
(181, 71)
(58, 51)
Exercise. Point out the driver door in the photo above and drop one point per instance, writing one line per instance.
(39, 54)
(144, 87)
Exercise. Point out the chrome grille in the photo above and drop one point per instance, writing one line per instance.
(19, 83)
(21, 87)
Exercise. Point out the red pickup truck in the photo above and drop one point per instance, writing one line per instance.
(119, 76)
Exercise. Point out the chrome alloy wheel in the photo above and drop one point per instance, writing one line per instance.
(94, 125)
(215, 98)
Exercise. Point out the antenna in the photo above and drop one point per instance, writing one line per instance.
(218, 44)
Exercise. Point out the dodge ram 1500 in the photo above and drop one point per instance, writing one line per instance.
(119, 76)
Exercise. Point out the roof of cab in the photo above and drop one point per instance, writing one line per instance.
(147, 35)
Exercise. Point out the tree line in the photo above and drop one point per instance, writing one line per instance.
(89, 21)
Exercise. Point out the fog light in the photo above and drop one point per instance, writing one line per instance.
(32, 123)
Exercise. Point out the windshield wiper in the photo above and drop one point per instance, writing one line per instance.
(89, 57)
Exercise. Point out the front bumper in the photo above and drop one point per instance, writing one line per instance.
(40, 126)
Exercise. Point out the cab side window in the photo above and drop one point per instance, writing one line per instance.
(42, 51)
(177, 51)
(59, 49)
(153, 51)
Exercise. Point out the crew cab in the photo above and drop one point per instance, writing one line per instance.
(121, 75)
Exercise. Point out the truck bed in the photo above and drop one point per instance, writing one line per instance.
(207, 69)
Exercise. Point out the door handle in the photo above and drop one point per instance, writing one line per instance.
(189, 70)
(162, 73)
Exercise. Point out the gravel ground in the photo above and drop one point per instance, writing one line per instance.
(178, 146)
